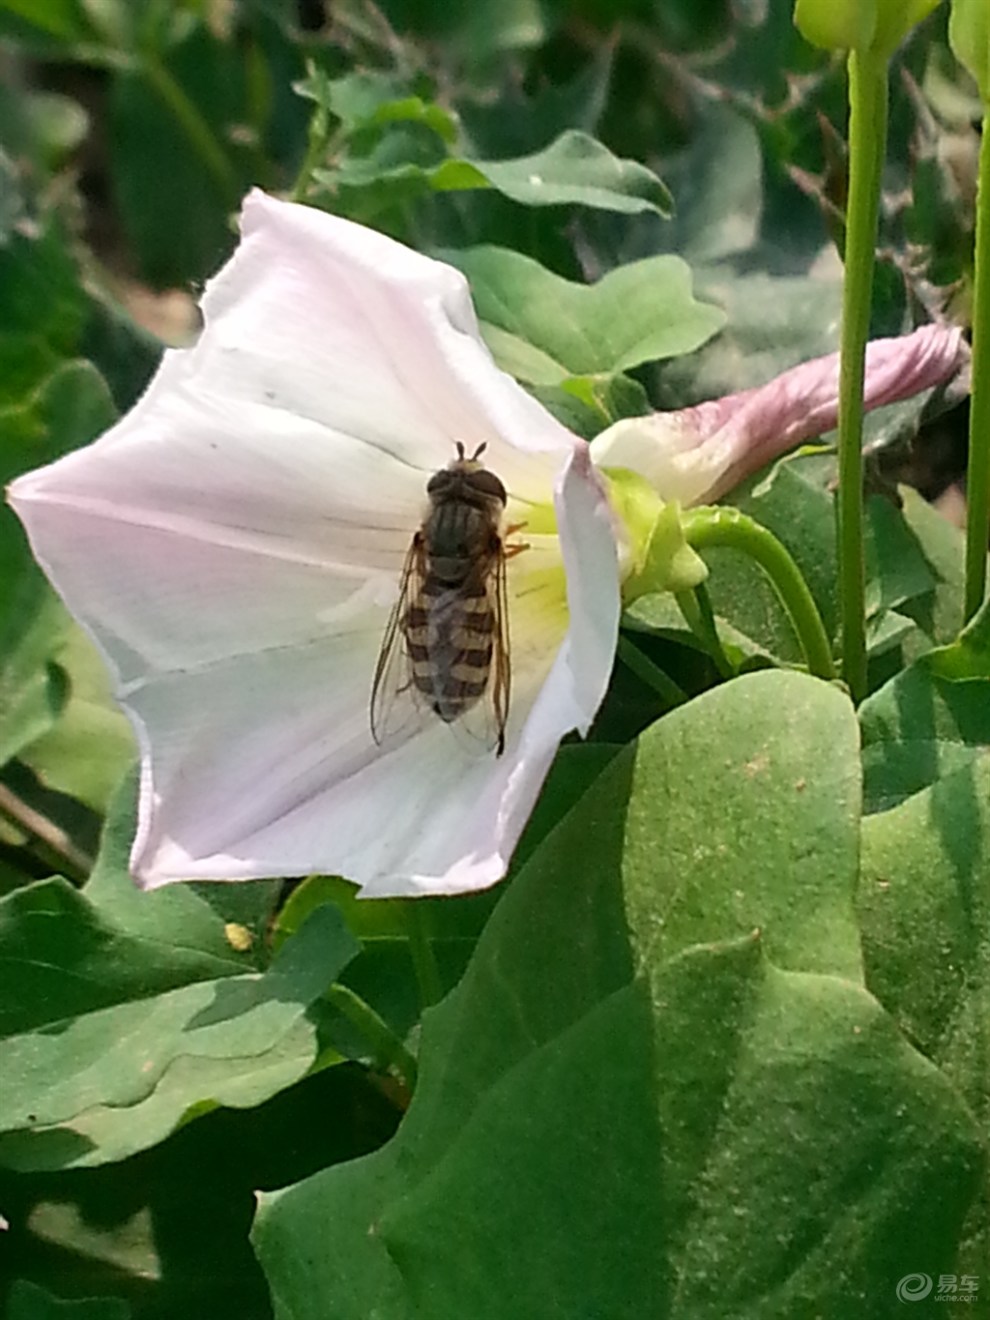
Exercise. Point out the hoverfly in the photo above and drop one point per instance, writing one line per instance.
(447, 639)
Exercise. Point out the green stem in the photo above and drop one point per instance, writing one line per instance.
(52, 843)
(196, 129)
(421, 951)
(317, 145)
(978, 477)
(671, 693)
(696, 606)
(729, 527)
(867, 143)
(387, 1049)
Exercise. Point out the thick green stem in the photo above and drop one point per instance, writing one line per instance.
(726, 526)
(867, 143)
(200, 135)
(978, 478)
(422, 954)
(387, 1049)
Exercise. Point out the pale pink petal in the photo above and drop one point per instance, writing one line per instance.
(699, 453)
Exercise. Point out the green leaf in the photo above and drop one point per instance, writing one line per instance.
(55, 666)
(795, 500)
(64, 952)
(26, 1301)
(773, 323)
(62, 957)
(969, 657)
(573, 170)
(924, 903)
(367, 100)
(115, 1080)
(173, 196)
(637, 313)
(668, 988)
(86, 750)
(586, 405)
(42, 312)
(33, 690)
(191, 917)
(938, 611)
(63, 19)
(918, 728)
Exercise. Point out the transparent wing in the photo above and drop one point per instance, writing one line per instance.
(501, 688)
(393, 697)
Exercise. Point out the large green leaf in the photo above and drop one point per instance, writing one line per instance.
(106, 1083)
(917, 728)
(924, 901)
(663, 1024)
(634, 314)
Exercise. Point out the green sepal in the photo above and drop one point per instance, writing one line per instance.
(655, 553)
(875, 27)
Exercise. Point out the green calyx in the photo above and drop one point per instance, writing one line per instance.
(874, 27)
(655, 555)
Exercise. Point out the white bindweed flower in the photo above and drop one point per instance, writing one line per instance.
(235, 543)
(235, 546)
(697, 454)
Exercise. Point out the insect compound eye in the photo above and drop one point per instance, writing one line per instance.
(440, 481)
(486, 483)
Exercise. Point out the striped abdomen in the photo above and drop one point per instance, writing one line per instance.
(449, 630)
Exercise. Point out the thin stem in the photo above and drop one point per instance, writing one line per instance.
(729, 527)
(652, 675)
(696, 606)
(867, 142)
(388, 1050)
(317, 145)
(978, 477)
(53, 840)
(197, 130)
(422, 954)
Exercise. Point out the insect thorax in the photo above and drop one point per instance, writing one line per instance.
(461, 539)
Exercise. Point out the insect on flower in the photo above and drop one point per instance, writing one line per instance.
(447, 640)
